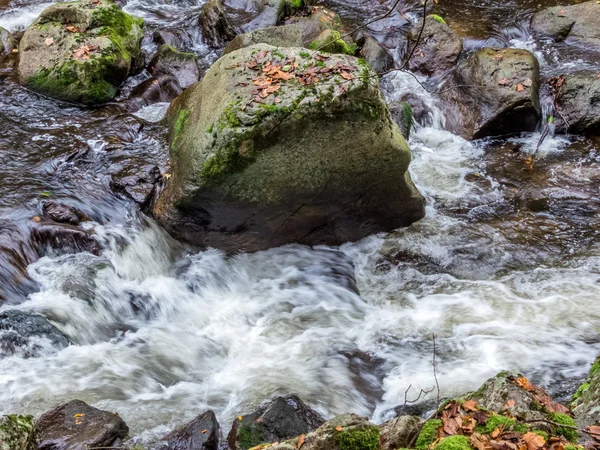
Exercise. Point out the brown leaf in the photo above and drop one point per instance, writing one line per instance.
(594, 430)
(72, 29)
(469, 405)
(520, 88)
(347, 76)
(561, 13)
(339, 428)
(495, 433)
(49, 41)
(534, 441)
(480, 441)
(300, 441)
(524, 383)
(203, 431)
(509, 404)
(468, 425)
(277, 100)
(481, 416)
(322, 57)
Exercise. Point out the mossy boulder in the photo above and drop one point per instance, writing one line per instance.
(314, 158)
(275, 421)
(182, 66)
(17, 433)
(586, 401)
(574, 24)
(497, 92)
(80, 51)
(439, 47)
(345, 432)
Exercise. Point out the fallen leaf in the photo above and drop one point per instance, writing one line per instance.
(154, 81)
(72, 29)
(277, 100)
(240, 418)
(520, 88)
(504, 82)
(347, 76)
(480, 441)
(561, 13)
(78, 415)
(300, 441)
(37, 219)
(534, 441)
(594, 430)
(470, 405)
(495, 433)
(203, 431)
(49, 41)
(338, 428)
(509, 404)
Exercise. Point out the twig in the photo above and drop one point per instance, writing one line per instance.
(421, 392)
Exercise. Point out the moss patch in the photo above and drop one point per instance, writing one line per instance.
(249, 436)
(363, 439)
(17, 432)
(439, 19)
(502, 423)
(428, 434)
(569, 434)
(453, 443)
(331, 42)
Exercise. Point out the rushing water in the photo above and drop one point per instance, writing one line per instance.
(162, 332)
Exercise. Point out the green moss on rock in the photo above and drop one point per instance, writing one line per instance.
(361, 439)
(249, 436)
(568, 433)
(453, 443)
(439, 19)
(428, 434)
(502, 423)
(17, 433)
(331, 41)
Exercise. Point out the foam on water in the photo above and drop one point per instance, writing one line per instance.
(17, 19)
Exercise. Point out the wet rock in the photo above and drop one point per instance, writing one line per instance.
(575, 24)
(137, 184)
(497, 92)
(420, 111)
(246, 175)
(80, 51)
(218, 27)
(344, 432)
(578, 102)
(330, 41)
(400, 432)
(439, 48)
(7, 43)
(180, 65)
(202, 433)
(54, 238)
(280, 419)
(159, 88)
(586, 401)
(375, 55)
(174, 37)
(61, 213)
(298, 34)
(17, 433)
(20, 332)
(16, 253)
(403, 116)
(78, 426)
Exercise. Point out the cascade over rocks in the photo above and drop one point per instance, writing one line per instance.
(497, 92)
(575, 24)
(80, 51)
(202, 433)
(578, 101)
(259, 163)
(280, 419)
(78, 426)
(439, 48)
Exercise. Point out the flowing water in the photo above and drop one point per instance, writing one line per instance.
(161, 332)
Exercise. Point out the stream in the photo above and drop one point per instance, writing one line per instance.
(162, 331)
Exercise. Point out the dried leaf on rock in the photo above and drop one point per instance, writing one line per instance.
(49, 41)
(533, 441)
(469, 405)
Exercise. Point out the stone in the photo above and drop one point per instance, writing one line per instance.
(586, 401)
(400, 432)
(7, 44)
(202, 433)
(52, 238)
(61, 213)
(497, 92)
(80, 51)
(575, 24)
(180, 65)
(17, 433)
(137, 183)
(249, 175)
(275, 421)
(578, 103)
(375, 55)
(78, 426)
(439, 47)
(403, 116)
(21, 332)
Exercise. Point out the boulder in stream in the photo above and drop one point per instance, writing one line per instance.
(575, 24)
(78, 426)
(313, 157)
(280, 419)
(80, 51)
(17, 433)
(23, 333)
(497, 92)
(182, 66)
(202, 433)
(439, 48)
(578, 103)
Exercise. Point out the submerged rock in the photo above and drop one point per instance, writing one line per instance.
(574, 24)
(80, 51)
(344, 432)
(202, 433)
(252, 171)
(62, 238)
(20, 332)
(61, 213)
(17, 433)
(497, 92)
(280, 419)
(78, 426)
(180, 65)
(578, 103)
(439, 48)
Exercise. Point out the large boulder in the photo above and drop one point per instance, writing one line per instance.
(497, 92)
(202, 433)
(344, 432)
(80, 51)
(578, 103)
(274, 146)
(574, 24)
(78, 426)
(439, 47)
(276, 421)
(586, 401)
(17, 433)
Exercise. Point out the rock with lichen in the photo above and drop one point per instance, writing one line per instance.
(80, 51)
(280, 145)
(17, 433)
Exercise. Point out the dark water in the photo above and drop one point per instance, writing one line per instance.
(504, 269)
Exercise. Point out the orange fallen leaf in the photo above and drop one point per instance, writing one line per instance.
(496, 433)
(300, 441)
(470, 405)
(72, 29)
(533, 441)
(239, 417)
(338, 428)
(520, 88)
(203, 431)
(347, 76)
(509, 404)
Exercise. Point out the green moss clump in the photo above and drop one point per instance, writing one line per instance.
(453, 443)
(428, 434)
(249, 436)
(178, 124)
(580, 391)
(305, 55)
(502, 423)
(573, 447)
(439, 19)
(570, 434)
(229, 118)
(363, 439)
(595, 368)
(112, 16)
(17, 432)
(333, 43)
(541, 433)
